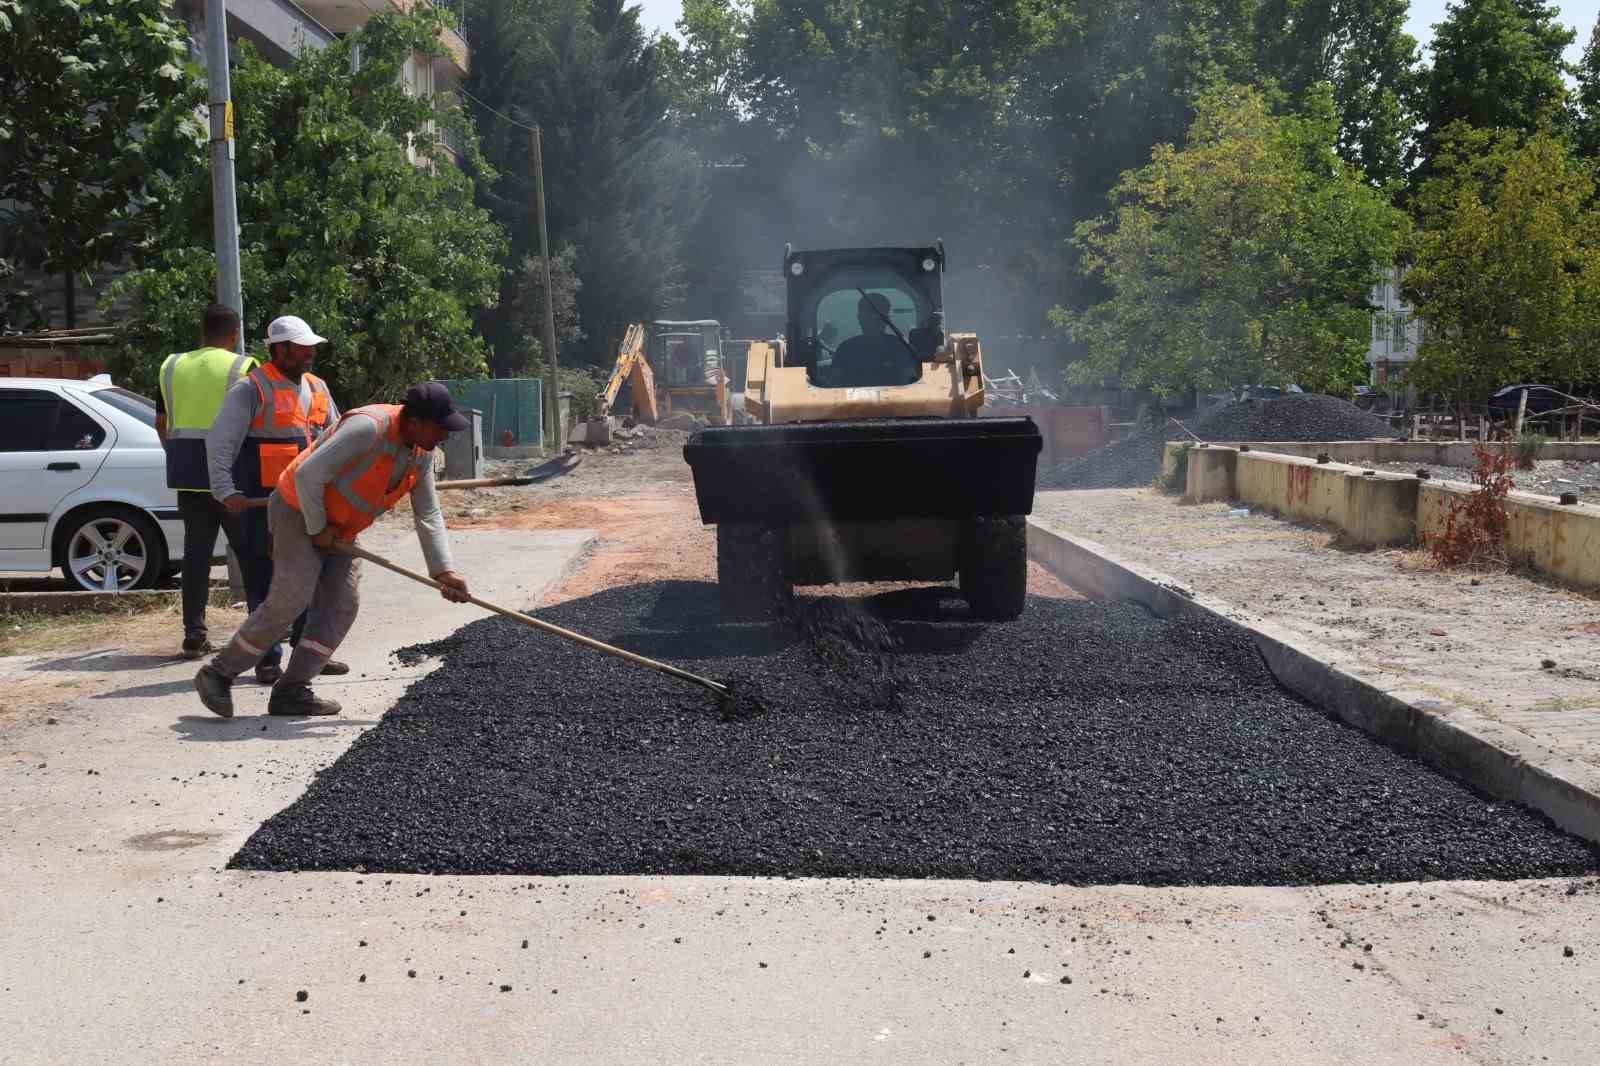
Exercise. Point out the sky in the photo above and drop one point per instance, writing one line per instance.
(1579, 15)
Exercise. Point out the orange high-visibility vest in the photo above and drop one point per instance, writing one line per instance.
(360, 492)
(280, 430)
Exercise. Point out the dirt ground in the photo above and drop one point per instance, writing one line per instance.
(641, 503)
(1522, 651)
(1549, 477)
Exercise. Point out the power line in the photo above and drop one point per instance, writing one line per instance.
(492, 110)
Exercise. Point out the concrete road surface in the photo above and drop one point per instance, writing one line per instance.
(123, 939)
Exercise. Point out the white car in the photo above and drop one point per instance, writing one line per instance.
(83, 485)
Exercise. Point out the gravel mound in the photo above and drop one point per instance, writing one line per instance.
(1087, 743)
(1135, 461)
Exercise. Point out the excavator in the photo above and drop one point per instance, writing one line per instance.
(669, 368)
(865, 458)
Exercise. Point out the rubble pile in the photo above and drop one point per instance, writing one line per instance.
(1135, 461)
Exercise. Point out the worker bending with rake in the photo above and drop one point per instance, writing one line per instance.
(372, 457)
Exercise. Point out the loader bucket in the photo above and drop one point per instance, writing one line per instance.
(866, 470)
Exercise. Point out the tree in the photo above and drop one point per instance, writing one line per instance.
(526, 313)
(1361, 49)
(83, 81)
(1246, 256)
(1507, 264)
(1496, 65)
(350, 216)
(620, 191)
(1588, 101)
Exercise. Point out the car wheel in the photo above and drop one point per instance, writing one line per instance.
(110, 549)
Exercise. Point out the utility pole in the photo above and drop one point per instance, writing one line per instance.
(549, 296)
(224, 208)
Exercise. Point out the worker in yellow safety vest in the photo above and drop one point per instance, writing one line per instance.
(193, 385)
(371, 458)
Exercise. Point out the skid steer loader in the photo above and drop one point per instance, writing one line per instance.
(867, 461)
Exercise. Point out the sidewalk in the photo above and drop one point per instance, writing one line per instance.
(1479, 642)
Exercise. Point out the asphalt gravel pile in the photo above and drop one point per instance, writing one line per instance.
(1087, 743)
(1135, 461)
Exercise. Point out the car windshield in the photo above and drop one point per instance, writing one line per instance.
(854, 317)
(129, 403)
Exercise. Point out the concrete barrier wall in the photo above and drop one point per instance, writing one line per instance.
(1421, 452)
(1563, 542)
(1376, 508)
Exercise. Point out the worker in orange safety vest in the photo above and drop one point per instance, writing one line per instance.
(371, 458)
(268, 419)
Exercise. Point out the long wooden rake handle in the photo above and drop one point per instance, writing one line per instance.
(555, 630)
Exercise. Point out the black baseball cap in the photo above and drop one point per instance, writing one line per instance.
(431, 400)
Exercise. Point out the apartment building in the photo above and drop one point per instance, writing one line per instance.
(1397, 332)
(279, 29)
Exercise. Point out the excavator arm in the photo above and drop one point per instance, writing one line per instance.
(632, 367)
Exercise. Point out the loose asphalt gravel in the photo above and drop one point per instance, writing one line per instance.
(1135, 461)
(1087, 743)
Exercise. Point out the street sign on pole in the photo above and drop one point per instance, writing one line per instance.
(224, 208)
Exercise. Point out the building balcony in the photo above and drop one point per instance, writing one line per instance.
(343, 16)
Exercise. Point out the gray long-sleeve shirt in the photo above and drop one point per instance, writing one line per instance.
(239, 408)
(351, 439)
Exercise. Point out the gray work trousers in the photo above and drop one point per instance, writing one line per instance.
(304, 578)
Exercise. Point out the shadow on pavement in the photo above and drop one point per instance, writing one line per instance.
(159, 688)
(105, 660)
(210, 729)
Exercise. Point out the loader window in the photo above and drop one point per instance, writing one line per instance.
(855, 344)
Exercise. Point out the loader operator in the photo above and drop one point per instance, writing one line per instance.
(267, 419)
(875, 356)
(372, 457)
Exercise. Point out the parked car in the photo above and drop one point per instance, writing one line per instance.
(83, 485)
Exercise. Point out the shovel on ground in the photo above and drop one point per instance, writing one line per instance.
(721, 691)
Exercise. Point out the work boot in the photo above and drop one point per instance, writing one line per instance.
(268, 674)
(195, 647)
(334, 668)
(216, 690)
(299, 701)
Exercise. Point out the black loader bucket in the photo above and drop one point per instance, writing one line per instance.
(866, 470)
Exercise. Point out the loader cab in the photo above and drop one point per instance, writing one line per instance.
(865, 317)
(685, 353)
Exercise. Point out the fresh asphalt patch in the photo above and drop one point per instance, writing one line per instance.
(1086, 743)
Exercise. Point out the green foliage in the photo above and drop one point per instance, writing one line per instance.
(998, 126)
(387, 257)
(1587, 122)
(1496, 65)
(1507, 264)
(1177, 481)
(83, 78)
(1361, 49)
(620, 191)
(1244, 257)
(1529, 445)
(525, 348)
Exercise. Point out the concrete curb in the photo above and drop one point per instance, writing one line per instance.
(63, 602)
(1494, 758)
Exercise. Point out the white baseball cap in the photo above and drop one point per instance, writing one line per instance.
(293, 329)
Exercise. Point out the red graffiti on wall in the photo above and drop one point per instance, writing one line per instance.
(1299, 484)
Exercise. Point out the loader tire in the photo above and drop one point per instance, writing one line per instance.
(752, 569)
(994, 567)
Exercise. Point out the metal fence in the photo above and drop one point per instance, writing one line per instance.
(508, 405)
